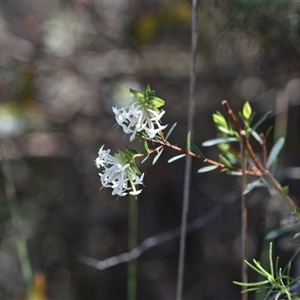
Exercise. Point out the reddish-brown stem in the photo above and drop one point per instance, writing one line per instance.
(232, 115)
(242, 132)
(165, 143)
(264, 149)
(244, 216)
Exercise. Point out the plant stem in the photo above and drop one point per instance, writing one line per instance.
(132, 243)
(10, 193)
(188, 162)
(244, 215)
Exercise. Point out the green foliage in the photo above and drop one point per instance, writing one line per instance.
(188, 141)
(157, 156)
(247, 111)
(176, 157)
(196, 150)
(207, 169)
(170, 130)
(275, 151)
(277, 280)
(217, 141)
(148, 95)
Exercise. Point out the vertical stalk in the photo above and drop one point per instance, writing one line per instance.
(132, 243)
(10, 193)
(244, 214)
(188, 162)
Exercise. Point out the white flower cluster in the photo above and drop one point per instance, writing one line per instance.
(119, 172)
(142, 115)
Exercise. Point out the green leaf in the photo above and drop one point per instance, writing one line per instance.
(269, 130)
(252, 284)
(146, 146)
(247, 111)
(220, 120)
(254, 184)
(132, 151)
(170, 130)
(148, 90)
(157, 156)
(176, 157)
(157, 102)
(196, 150)
(207, 169)
(285, 191)
(188, 141)
(234, 173)
(225, 161)
(229, 152)
(136, 94)
(256, 136)
(275, 233)
(275, 151)
(261, 120)
(225, 130)
(145, 159)
(217, 141)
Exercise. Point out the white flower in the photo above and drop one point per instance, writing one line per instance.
(142, 115)
(119, 172)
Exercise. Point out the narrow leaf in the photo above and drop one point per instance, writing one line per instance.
(196, 150)
(251, 283)
(176, 157)
(234, 173)
(146, 146)
(254, 184)
(262, 119)
(132, 151)
(225, 130)
(157, 156)
(188, 141)
(225, 161)
(219, 141)
(275, 151)
(170, 130)
(145, 159)
(256, 136)
(256, 269)
(207, 169)
(136, 94)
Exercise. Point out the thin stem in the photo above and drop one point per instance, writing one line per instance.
(264, 148)
(188, 162)
(255, 172)
(244, 239)
(10, 193)
(132, 243)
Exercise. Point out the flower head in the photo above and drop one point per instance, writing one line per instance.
(143, 115)
(119, 172)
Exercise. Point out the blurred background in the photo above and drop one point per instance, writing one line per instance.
(63, 65)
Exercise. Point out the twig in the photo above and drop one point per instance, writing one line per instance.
(153, 241)
(244, 239)
(264, 149)
(188, 164)
(254, 172)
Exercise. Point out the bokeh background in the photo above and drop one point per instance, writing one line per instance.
(64, 64)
